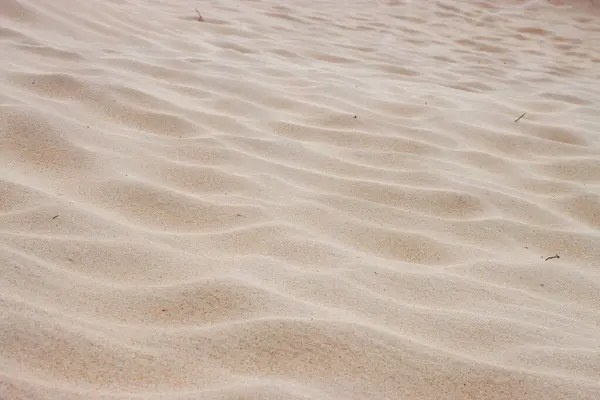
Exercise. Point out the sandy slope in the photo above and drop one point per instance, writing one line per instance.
(321, 201)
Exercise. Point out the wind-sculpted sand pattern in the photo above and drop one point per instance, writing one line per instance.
(334, 200)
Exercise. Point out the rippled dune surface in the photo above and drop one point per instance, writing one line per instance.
(313, 201)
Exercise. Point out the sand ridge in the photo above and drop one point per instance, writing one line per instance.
(338, 200)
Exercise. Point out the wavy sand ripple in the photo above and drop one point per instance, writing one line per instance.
(357, 200)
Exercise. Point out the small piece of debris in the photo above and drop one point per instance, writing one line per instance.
(355, 117)
(552, 257)
(56, 216)
(522, 115)
(199, 16)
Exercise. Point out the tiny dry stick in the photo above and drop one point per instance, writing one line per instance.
(522, 115)
(199, 16)
(552, 257)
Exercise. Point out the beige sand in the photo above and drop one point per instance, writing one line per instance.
(328, 200)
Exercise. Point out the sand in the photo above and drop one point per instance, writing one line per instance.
(321, 200)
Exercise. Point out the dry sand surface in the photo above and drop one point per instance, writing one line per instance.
(313, 200)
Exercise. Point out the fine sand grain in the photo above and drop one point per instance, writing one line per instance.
(351, 200)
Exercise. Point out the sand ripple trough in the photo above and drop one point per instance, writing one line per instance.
(334, 200)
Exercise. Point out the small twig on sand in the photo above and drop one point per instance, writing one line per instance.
(522, 115)
(199, 16)
(550, 258)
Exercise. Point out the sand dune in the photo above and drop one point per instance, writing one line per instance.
(328, 200)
